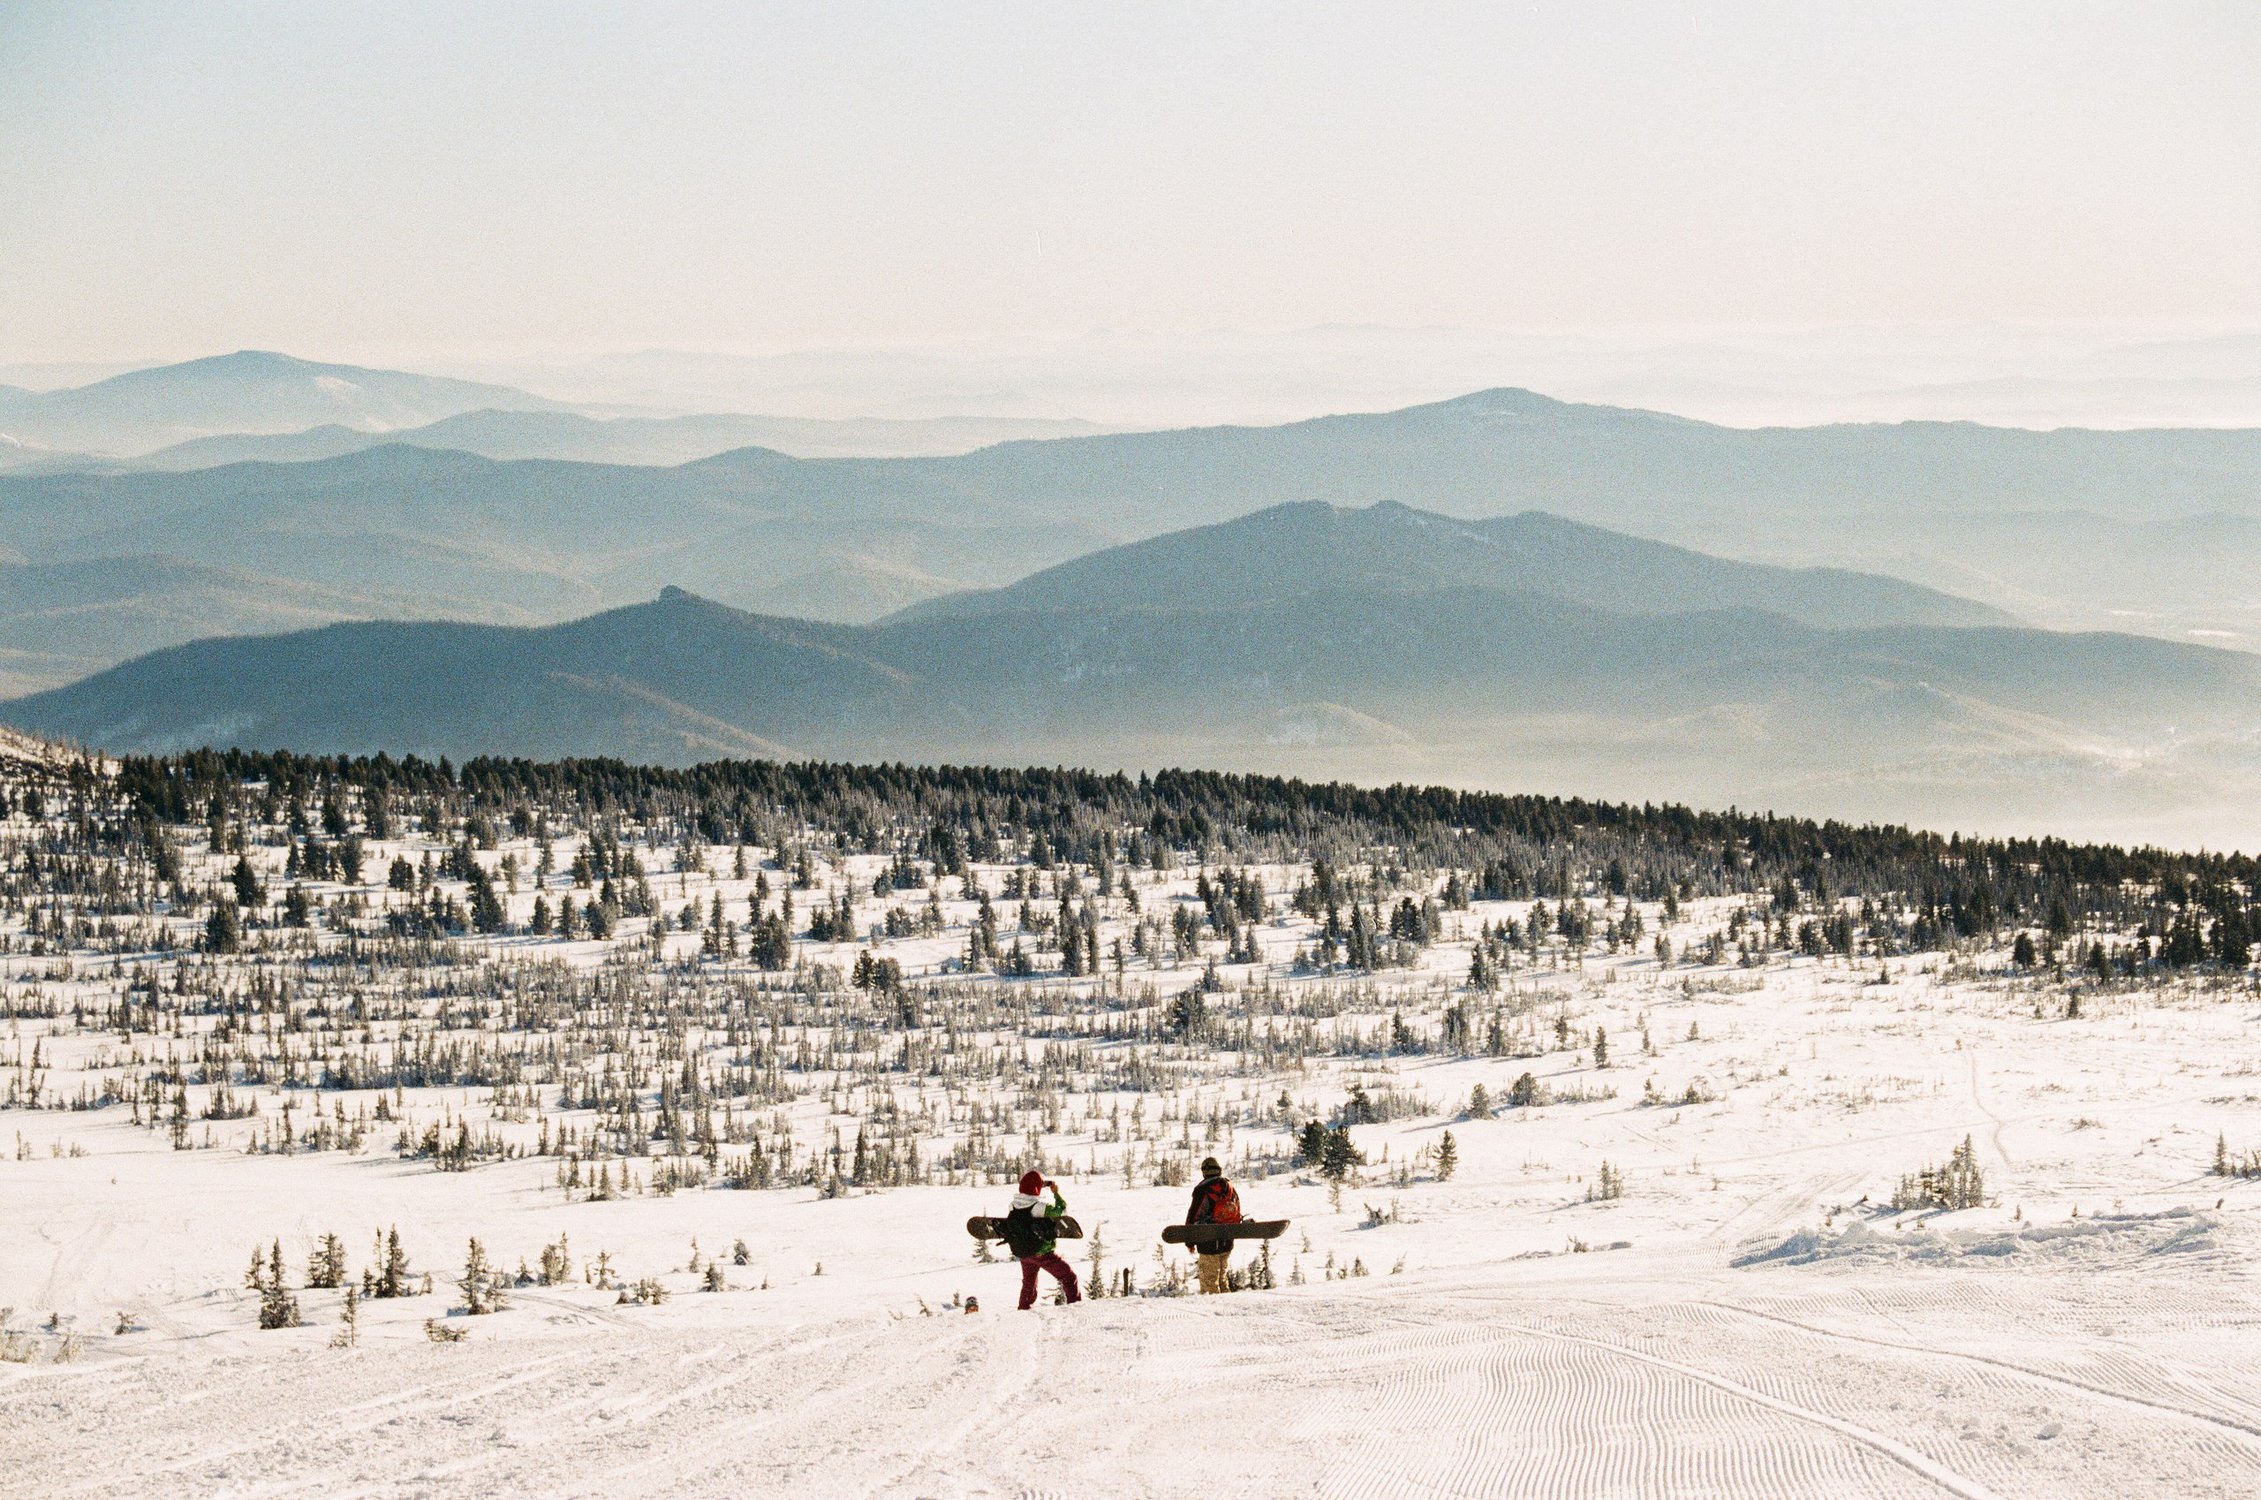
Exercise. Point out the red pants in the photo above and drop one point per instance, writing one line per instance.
(1061, 1271)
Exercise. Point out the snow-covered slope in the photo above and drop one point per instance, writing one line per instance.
(1656, 1258)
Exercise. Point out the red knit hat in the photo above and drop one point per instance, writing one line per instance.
(1032, 1183)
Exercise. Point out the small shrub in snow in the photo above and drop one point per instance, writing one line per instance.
(2228, 1163)
(1608, 1183)
(1958, 1184)
(645, 1293)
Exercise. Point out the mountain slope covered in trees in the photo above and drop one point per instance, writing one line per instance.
(62, 620)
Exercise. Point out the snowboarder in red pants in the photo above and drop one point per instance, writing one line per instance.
(1028, 1233)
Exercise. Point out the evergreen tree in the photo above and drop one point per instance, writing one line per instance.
(1448, 1157)
(771, 947)
(277, 1307)
(325, 1268)
(482, 1283)
(222, 933)
(1189, 1014)
(393, 1276)
(348, 1335)
(1338, 1157)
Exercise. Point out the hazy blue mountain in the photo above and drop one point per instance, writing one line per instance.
(1994, 515)
(1310, 545)
(622, 440)
(604, 685)
(19, 457)
(1467, 684)
(330, 440)
(1503, 451)
(247, 392)
(550, 538)
(60, 621)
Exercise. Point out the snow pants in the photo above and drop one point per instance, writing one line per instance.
(1061, 1271)
(1213, 1271)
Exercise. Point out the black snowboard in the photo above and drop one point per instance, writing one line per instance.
(1063, 1228)
(1223, 1235)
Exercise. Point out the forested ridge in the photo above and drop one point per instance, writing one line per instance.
(1511, 846)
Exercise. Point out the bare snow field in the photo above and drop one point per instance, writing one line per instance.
(1659, 1258)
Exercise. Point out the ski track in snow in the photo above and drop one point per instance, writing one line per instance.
(1586, 1384)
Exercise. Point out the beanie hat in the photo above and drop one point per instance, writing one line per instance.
(1209, 1167)
(1032, 1183)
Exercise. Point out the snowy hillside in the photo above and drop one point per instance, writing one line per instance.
(1590, 1122)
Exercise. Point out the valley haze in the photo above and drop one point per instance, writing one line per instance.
(1463, 591)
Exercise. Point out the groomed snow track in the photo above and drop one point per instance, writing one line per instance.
(1581, 1384)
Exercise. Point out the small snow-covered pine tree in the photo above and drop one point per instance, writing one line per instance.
(277, 1307)
(325, 1268)
(393, 1276)
(482, 1284)
(349, 1321)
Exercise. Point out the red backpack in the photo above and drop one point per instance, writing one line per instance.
(1224, 1204)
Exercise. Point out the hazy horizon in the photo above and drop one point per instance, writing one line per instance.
(2030, 376)
(446, 187)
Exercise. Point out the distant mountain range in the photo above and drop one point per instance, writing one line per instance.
(1308, 546)
(1320, 642)
(254, 407)
(486, 540)
(247, 392)
(63, 620)
(2157, 532)
(576, 438)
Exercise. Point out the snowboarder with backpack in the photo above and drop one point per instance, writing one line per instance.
(1028, 1234)
(1214, 1202)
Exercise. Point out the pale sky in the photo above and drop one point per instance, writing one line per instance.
(389, 181)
